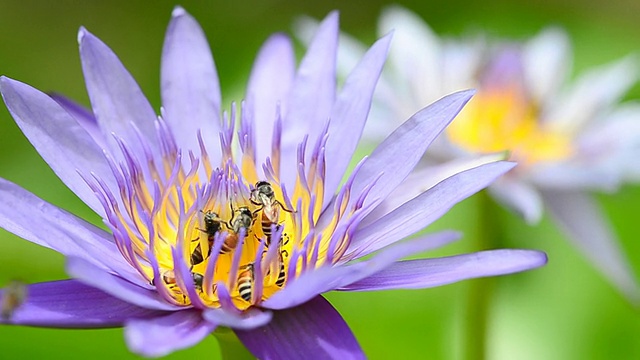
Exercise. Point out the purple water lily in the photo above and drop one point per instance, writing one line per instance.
(569, 138)
(234, 219)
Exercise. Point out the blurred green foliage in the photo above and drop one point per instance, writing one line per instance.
(563, 311)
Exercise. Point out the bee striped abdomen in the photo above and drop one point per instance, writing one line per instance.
(281, 275)
(196, 255)
(245, 283)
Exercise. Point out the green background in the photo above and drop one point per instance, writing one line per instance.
(563, 311)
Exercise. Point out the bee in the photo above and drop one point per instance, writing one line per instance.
(281, 255)
(169, 278)
(13, 297)
(212, 224)
(281, 274)
(245, 282)
(264, 196)
(242, 219)
(198, 279)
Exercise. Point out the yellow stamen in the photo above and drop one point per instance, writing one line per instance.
(505, 119)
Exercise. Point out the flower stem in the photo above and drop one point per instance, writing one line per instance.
(230, 345)
(480, 294)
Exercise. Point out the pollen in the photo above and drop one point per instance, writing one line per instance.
(213, 233)
(505, 119)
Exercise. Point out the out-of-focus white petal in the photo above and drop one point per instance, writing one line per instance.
(520, 196)
(546, 62)
(581, 219)
(591, 94)
(415, 56)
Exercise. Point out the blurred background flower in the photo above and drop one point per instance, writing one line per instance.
(564, 311)
(570, 138)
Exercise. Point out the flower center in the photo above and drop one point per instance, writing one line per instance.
(505, 119)
(223, 237)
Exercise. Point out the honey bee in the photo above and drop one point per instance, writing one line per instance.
(245, 282)
(212, 224)
(264, 196)
(242, 219)
(169, 278)
(281, 274)
(198, 279)
(13, 297)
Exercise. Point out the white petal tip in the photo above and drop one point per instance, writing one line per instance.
(178, 11)
(82, 33)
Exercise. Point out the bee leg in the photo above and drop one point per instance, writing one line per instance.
(284, 208)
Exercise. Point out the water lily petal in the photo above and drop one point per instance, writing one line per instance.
(190, 85)
(269, 83)
(249, 319)
(591, 93)
(328, 278)
(519, 196)
(58, 230)
(350, 50)
(422, 210)
(576, 175)
(424, 179)
(349, 114)
(426, 273)
(313, 330)
(312, 94)
(83, 116)
(399, 153)
(60, 140)
(578, 215)
(546, 63)
(160, 336)
(117, 287)
(117, 101)
(71, 304)
(416, 54)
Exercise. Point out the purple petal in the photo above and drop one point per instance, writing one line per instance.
(520, 196)
(270, 81)
(578, 215)
(312, 94)
(419, 212)
(58, 230)
(328, 278)
(249, 319)
(58, 137)
(313, 330)
(350, 114)
(190, 85)
(160, 336)
(399, 153)
(424, 179)
(117, 287)
(83, 116)
(71, 304)
(426, 273)
(117, 101)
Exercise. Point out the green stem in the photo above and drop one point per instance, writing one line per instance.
(480, 293)
(230, 346)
